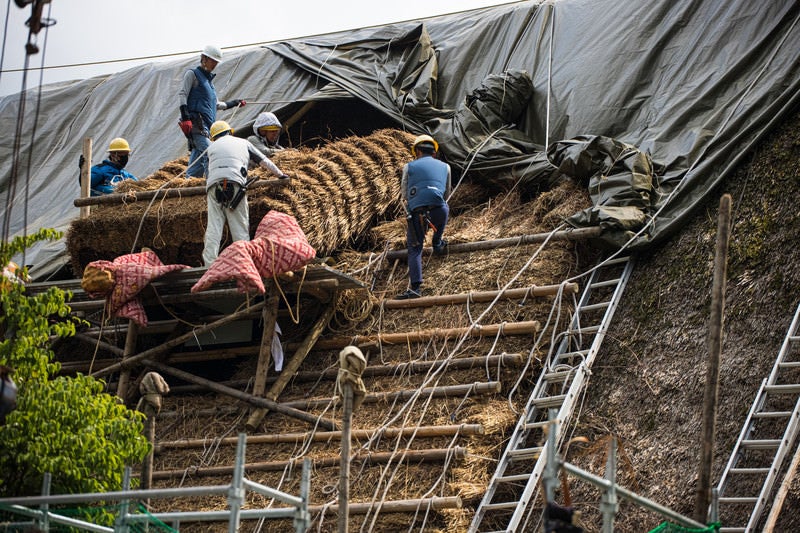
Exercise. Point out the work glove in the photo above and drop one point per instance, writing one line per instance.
(235, 103)
(186, 127)
(81, 161)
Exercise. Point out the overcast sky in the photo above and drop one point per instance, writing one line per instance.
(90, 31)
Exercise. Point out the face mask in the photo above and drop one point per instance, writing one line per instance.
(122, 160)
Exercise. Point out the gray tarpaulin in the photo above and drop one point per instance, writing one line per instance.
(693, 84)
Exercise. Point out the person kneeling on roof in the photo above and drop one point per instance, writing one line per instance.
(226, 186)
(106, 175)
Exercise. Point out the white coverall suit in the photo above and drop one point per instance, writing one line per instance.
(228, 158)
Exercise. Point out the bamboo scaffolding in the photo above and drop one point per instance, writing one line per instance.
(269, 316)
(565, 235)
(243, 396)
(294, 363)
(158, 350)
(400, 369)
(483, 296)
(437, 503)
(480, 388)
(490, 330)
(181, 192)
(328, 436)
(432, 455)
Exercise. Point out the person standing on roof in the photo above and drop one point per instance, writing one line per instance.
(266, 133)
(198, 106)
(425, 186)
(226, 186)
(106, 175)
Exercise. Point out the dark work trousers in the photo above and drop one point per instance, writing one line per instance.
(415, 237)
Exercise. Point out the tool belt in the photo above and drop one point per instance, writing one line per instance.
(228, 193)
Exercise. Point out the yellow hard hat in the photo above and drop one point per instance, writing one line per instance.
(219, 127)
(425, 139)
(119, 145)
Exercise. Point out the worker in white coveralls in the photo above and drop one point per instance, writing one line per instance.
(425, 185)
(266, 133)
(226, 186)
(198, 103)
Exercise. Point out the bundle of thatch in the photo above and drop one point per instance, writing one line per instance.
(337, 192)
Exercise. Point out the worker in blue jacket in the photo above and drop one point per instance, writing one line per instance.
(106, 175)
(425, 185)
(198, 103)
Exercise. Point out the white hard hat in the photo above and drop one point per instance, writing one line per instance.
(214, 52)
(266, 119)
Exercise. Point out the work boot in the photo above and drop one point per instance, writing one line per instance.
(409, 294)
(441, 248)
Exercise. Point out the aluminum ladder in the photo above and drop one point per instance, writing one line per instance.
(516, 480)
(766, 438)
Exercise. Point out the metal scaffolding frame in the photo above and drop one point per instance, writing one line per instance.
(236, 492)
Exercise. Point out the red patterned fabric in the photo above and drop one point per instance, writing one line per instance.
(132, 273)
(279, 246)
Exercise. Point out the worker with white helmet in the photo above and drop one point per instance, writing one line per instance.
(198, 103)
(266, 133)
(106, 175)
(226, 186)
(425, 185)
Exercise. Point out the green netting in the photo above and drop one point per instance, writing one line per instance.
(667, 527)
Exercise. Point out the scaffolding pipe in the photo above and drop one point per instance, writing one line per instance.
(631, 496)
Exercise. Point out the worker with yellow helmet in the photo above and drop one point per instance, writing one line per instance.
(266, 133)
(228, 160)
(106, 175)
(426, 185)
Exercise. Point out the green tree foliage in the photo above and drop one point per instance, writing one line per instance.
(65, 426)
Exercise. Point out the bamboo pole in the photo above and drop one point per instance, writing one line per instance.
(158, 350)
(86, 176)
(147, 464)
(135, 196)
(437, 503)
(101, 343)
(490, 330)
(711, 394)
(783, 492)
(344, 464)
(327, 436)
(269, 316)
(480, 388)
(565, 235)
(130, 348)
(484, 296)
(300, 355)
(243, 396)
(400, 369)
(432, 455)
